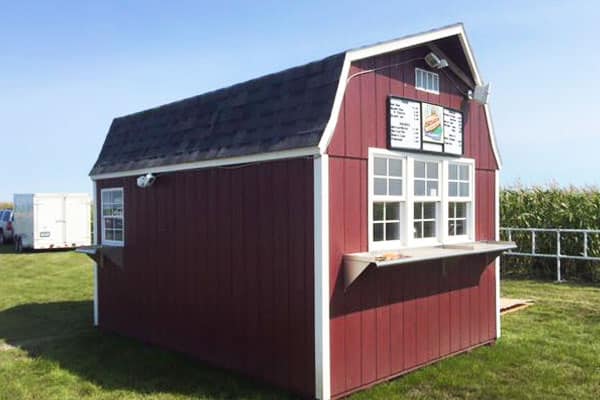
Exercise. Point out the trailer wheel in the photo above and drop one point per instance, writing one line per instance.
(18, 245)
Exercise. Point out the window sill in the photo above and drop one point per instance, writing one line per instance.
(356, 263)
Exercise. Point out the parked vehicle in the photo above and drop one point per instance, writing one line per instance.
(51, 221)
(6, 226)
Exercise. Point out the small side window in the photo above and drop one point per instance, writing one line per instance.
(427, 81)
(112, 216)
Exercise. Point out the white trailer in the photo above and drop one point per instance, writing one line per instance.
(52, 220)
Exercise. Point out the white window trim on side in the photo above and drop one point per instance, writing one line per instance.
(120, 243)
(408, 199)
(378, 198)
(470, 199)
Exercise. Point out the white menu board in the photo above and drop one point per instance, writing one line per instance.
(453, 132)
(405, 124)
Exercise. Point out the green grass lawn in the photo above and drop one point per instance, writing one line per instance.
(49, 350)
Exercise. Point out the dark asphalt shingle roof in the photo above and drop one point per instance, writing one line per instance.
(281, 111)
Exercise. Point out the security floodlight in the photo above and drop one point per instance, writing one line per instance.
(145, 181)
(435, 62)
(480, 93)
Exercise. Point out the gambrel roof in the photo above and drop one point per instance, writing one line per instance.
(292, 112)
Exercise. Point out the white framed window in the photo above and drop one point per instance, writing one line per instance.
(387, 197)
(419, 200)
(460, 200)
(427, 81)
(113, 213)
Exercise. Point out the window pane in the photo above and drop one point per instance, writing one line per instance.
(461, 227)
(377, 232)
(380, 186)
(453, 171)
(117, 197)
(106, 197)
(432, 170)
(392, 231)
(380, 166)
(464, 172)
(108, 223)
(392, 211)
(464, 189)
(451, 208)
(451, 227)
(418, 230)
(432, 188)
(117, 211)
(418, 211)
(461, 210)
(118, 235)
(429, 210)
(395, 187)
(108, 234)
(428, 86)
(395, 167)
(419, 169)
(107, 211)
(377, 211)
(429, 229)
(453, 189)
(119, 223)
(419, 188)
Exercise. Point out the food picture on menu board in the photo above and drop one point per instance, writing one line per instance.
(433, 123)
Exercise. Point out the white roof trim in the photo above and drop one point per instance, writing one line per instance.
(395, 45)
(217, 162)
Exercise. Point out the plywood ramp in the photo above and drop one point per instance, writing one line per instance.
(511, 305)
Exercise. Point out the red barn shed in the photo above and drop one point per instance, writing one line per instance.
(323, 228)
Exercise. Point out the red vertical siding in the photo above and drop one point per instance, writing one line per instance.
(394, 320)
(219, 265)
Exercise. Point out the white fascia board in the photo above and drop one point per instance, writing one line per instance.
(399, 44)
(405, 42)
(321, 278)
(335, 109)
(490, 124)
(464, 41)
(217, 162)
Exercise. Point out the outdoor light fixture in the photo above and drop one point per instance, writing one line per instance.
(480, 93)
(435, 62)
(145, 181)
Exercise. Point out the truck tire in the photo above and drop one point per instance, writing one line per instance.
(18, 245)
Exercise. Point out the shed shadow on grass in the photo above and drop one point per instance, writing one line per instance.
(62, 332)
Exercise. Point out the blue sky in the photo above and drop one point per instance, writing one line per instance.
(68, 68)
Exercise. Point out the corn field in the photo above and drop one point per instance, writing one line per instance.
(551, 207)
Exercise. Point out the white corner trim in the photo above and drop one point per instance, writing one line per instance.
(321, 277)
(216, 162)
(95, 242)
(497, 266)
